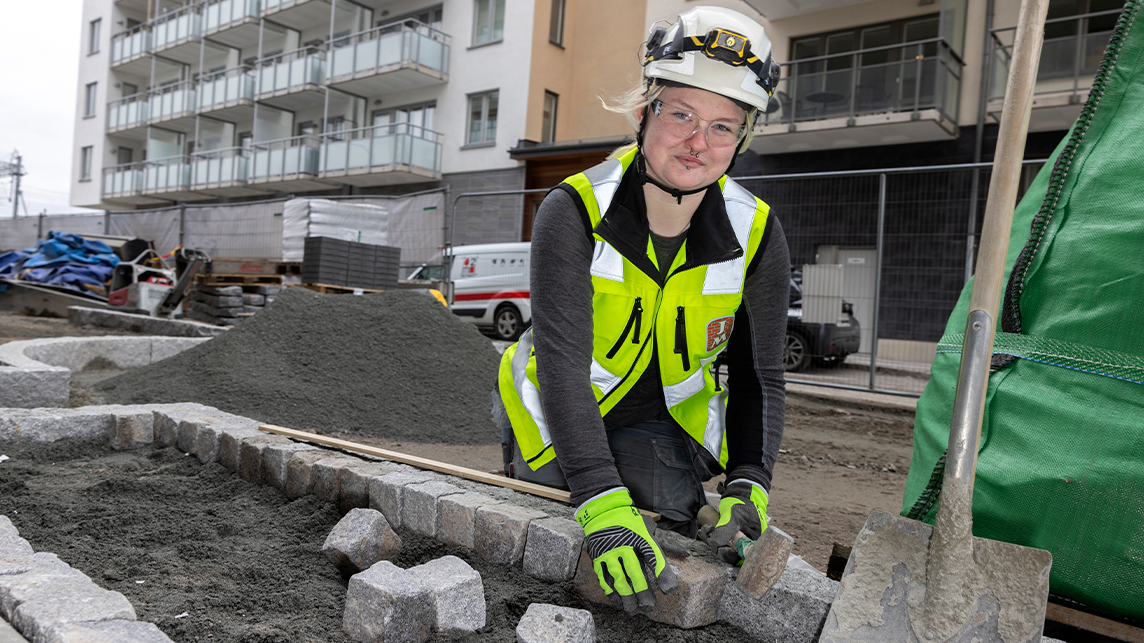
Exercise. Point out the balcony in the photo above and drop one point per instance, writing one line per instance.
(128, 116)
(1065, 72)
(130, 50)
(176, 34)
(879, 96)
(382, 155)
(233, 23)
(297, 14)
(294, 80)
(290, 164)
(124, 184)
(169, 178)
(396, 57)
(228, 94)
(222, 172)
(173, 106)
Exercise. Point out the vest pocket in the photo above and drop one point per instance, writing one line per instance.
(633, 321)
(681, 338)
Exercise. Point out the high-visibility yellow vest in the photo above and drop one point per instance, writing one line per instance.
(690, 317)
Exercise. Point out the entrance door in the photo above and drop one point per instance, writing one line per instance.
(859, 274)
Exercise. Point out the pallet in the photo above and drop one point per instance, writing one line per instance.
(329, 289)
(238, 280)
(290, 268)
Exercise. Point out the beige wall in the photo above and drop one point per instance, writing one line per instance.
(599, 58)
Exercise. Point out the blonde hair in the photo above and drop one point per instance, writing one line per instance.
(630, 102)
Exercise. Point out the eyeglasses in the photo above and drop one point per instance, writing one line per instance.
(682, 123)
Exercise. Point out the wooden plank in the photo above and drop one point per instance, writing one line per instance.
(1093, 623)
(424, 463)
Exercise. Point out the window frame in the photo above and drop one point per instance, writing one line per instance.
(556, 23)
(483, 140)
(86, 160)
(496, 13)
(897, 29)
(90, 99)
(550, 135)
(93, 32)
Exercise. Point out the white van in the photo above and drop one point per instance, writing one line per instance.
(490, 286)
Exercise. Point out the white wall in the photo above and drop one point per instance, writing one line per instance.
(93, 68)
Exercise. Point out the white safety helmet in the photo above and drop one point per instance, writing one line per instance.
(716, 49)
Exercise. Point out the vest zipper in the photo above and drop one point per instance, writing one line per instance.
(681, 339)
(633, 320)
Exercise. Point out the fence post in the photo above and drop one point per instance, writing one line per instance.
(40, 227)
(878, 279)
(182, 222)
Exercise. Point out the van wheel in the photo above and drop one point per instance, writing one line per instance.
(507, 325)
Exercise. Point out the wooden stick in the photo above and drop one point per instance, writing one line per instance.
(424, 463)
(1093, 623)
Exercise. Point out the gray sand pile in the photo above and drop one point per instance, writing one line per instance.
(392, 365)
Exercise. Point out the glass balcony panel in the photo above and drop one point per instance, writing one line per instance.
(425, 154)
(122, 180)
(219, 13)
(366, 56)
(335, 156)
(132, 42)
(389, 49)
(127, 112)
(359, 152)
(1091, 55)
(296, 155)
(178, 25)
(431, 53)
(342, 60)
(384, 150)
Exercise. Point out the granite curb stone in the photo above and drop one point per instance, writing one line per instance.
(361, 538)
(132, 430)
(457, 592)
(113, 631)
(11, 544)
(386, 493)
(326, 484)
(353, 481)
(387, 603)
(230, 439)
(793, 610)
(250, 464)
(300, 472)
(276, 462)
(500, 531)
(552, 549)
(420, 505)
(457, 517)
(543, 623)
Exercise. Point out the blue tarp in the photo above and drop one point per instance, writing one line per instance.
(64, 260)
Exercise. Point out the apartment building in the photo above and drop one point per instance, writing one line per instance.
(209, 100)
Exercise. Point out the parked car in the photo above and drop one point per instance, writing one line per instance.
(490, 286)
(823, 344)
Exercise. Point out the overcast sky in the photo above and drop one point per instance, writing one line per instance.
(37, 99)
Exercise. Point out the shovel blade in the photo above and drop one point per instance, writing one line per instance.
(1000, 597)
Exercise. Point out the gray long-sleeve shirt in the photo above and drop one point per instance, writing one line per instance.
(562, 333)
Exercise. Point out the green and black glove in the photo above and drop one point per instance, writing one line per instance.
(743, 507)
(624, 554)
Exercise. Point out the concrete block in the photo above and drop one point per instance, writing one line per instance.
(457, 591)
(114, 631)
(230, 439)
(251, 299)
(543, 623)
(361, 538)
(500, 531)
(457, 516)
(420, 506)
(250, 464)
(300, 476)
(68, 604)
(276, 461)
(353, 482)
(552, 549)
(11, 544)
(326, 470)
(385, 604)
(386, 493)
(132, 430)
(793, 610)
(694, 603)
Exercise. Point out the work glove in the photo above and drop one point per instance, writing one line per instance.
(743, 507)
(624, 555)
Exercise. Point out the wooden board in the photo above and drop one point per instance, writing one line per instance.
(215, 279)
(1093, 623)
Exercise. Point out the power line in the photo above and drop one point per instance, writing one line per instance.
(15, 170)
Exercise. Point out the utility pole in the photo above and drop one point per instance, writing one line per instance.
(15, 170)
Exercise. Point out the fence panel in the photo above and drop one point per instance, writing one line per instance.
(18, 234)
(161, 227)
(416, 225)
(236, 230)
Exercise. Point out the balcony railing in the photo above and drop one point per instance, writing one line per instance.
(293, 69)
(121, 181)
(172, 101)
(223, 167)
(286, 158)
(127, 112)
(408, 41)
(220, 13)
(381, 146)
(130, 43)
(1067, 64)
(226, 86)
(166, 175)
(274, 5)
(176, 26)
(925, 74)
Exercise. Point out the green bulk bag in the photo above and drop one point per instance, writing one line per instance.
(1061, 460)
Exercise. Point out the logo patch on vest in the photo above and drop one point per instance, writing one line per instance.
(719, 331)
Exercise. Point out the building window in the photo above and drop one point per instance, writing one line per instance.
(556, 23)
(93, 37)
(488, 21)
(85, 163)
(548, 121)
(410, 119)
(483, 117)
(89, 100)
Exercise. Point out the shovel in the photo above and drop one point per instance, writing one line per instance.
(909, 582)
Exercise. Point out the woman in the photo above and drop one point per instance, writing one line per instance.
(644, 269)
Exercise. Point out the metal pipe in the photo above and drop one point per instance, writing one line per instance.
(878, 280)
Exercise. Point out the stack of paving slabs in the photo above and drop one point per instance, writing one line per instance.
(1061, 462)
(348, 264)
(227, 305)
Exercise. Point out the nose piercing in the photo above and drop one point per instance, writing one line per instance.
(694, 153)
